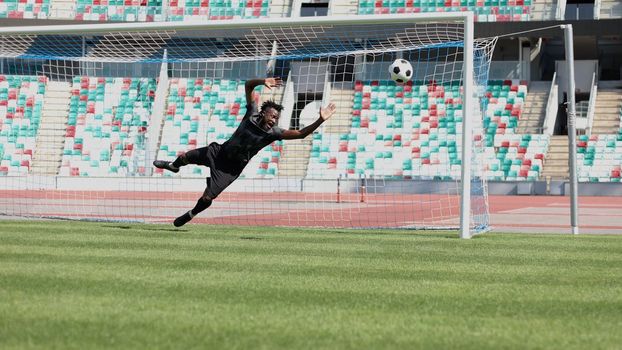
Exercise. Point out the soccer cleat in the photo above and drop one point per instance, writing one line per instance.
(182, 220)
(162, 164)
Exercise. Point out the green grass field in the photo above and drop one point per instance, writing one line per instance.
(72, 285)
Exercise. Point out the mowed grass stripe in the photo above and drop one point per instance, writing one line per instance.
(481, 257)
(363, 244)
(77, 285)
(364, 241)
(343, 267)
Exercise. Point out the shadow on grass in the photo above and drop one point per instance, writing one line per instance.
(249, 238)
(420, 234)
(124, 227)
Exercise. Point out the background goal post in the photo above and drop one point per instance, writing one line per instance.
(88, 107)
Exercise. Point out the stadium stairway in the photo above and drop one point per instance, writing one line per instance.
(295, 158)
(280, 8)
(47, 159)
(295, 155)
(341, 122)
(534, 108)
(610, 9)
(556, 161)
(275, 94)
(606, 115)
(185, 123)
(323, 158)
(542, 10)
(63, 9)
(344, 8)
(599, 155)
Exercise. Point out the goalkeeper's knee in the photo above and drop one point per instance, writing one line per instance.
(203, 203)
(205, 198)
(181, 161)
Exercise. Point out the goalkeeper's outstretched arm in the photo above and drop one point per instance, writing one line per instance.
(253, 83)
(325, 113)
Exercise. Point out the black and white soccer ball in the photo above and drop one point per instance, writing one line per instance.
(401, 71)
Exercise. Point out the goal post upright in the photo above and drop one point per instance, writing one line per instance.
(572, 130)
(467, 128)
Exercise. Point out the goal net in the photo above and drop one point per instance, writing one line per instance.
(85, 109)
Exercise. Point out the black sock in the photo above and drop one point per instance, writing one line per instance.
(179, 162)
(201, 205)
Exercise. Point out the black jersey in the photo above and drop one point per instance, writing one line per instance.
(249, 138)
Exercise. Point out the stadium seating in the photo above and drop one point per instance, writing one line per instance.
(509, 156)
(21, 103)
(415, 131)
(485, 10)
(140, 10)
(599, 157)
(515, 157)
(409, 131)
(118, 10)
(107, 126)
(29, 9)
(397, 132)
(186, 120)
(504, 102)
(201, 111)
(180, 10)
(228, 111)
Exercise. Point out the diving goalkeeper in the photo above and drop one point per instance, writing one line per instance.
(226, 161)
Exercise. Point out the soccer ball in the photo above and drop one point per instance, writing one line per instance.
(401, 71)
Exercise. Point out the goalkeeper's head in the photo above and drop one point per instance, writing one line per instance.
(269, 114)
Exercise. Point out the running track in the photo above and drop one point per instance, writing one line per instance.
(530, 214)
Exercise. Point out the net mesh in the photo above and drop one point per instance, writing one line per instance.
(84, 115)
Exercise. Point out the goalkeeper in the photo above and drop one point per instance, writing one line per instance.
(226, 161)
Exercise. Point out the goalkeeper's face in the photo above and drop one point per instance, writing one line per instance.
(269, 118)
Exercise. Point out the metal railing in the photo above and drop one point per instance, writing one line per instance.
(597, 9)
(592, 105)
(560, 12)
(551, 108)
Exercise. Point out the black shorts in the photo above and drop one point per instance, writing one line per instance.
(223, 171)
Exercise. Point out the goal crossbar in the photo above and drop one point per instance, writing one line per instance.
(361, 20)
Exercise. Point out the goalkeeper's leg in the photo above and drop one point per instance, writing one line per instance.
(203, 203)
(218, 181)
(195, 156)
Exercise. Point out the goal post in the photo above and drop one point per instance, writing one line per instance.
(89, 106)
(467, 129)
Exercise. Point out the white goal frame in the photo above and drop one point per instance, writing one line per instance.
(466, 18)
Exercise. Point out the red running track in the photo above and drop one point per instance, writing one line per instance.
(507, 213)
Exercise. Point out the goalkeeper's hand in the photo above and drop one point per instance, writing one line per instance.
(328, 111)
